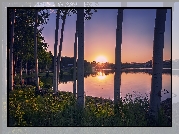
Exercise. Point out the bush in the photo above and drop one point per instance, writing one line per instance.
(29, 109)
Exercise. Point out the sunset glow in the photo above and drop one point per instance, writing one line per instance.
(101, 59)
(101, 76)
(100, 35)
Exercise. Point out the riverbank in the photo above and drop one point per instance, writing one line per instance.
(30, 108)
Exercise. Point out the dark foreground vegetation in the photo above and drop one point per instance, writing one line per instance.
(43, 108)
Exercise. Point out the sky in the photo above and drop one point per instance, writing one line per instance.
(100, 35)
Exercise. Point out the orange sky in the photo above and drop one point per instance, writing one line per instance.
(100, 35)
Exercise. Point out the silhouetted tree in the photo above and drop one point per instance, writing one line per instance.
(75, 57)
(11, 65)
(80, 61)
(157, 66)
(117, 76)
(55, 86)
(35, 45)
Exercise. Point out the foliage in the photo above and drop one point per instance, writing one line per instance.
(24, 36)
(26, 108)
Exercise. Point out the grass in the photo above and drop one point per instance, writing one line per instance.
(29, 108)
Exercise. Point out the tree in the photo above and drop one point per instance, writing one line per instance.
(24, 36)
(64, 13)
(74, 66)
(55, 53)
(117, 76)
(87, 14)
(63, 17)
(157, 66)
(80, 62)
(81, 14)
(11, 65)
(45, 60)
(35, 45)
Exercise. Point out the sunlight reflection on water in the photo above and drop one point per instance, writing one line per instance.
(101, 84)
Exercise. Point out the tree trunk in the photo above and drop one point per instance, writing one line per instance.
(60, 49)
(55, 86)
(26, 68)
(80, 61)
(35, 44)
(157, 66)
(11, 65)
(75, 56)
(117, 76)
(21, 70)
(15, 67)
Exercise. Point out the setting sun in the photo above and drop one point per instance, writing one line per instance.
(101, 59)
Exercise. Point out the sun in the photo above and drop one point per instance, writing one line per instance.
(101, 59)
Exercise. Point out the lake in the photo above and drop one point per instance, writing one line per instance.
(101, 83)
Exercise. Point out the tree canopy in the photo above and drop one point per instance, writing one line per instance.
(24, 35)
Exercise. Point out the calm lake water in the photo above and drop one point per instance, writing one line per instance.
(101, 84)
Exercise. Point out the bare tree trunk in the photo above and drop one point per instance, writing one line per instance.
(155, 96)
(55, 86)
(75, 56)
(11, 65)
(80, 61)
(35, 45)
(60, 48)
(117, 76)
(15, 68)
(26, 68)
(15, 64)
(21, 70)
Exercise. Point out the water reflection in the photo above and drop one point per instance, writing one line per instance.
(101, 83)
(101, 76)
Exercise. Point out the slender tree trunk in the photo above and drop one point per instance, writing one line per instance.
(75, 56)
(26, 68)
(58, 68)
(15, 68)
(35, 45)
(11, 65)
(117, 76)
(60, 49)
(21, 69)
(16, 65)
(80, 61)
(157, 66)
(55, 86)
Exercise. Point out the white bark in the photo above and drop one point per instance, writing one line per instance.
(35, 44)
(75, 56)
(55, 85)
(80, 61)
(11, 65)
(60, 49)
(117, 76)
(155, 96)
